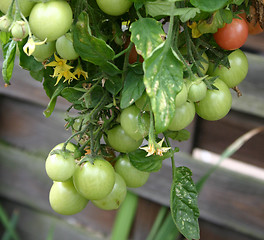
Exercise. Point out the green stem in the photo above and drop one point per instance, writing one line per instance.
(92, 87)
(10, 9)
(172, 158)
(168, 42)
(126, 62)
(124, 51)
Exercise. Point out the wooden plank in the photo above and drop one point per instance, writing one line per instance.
(218, 135)
(228, 199)
(255, 43)
(34, 225)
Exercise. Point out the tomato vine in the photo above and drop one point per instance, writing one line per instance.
(130, 70)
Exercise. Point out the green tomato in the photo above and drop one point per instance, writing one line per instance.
(216, 104)
(181, 97)
(24, 5)
(196, 90)
(64, 198)
(121, 141)
(114, 7)
(236, 73)
(183, 116)
(135, 123)
(115, 198)
(143, 102)
(50, 20)
(133, 177)
(70, 147)
(44, 51)
(60, 167)
(94, 181)
(64, 47)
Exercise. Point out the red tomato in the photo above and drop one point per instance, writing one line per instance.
(232, 36)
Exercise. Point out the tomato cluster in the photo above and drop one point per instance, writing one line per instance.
(133, 83)
(103, 183)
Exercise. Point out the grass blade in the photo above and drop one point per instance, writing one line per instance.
(13, 222)
(230, 150)
(124, 218)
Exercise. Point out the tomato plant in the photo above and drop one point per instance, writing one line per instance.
(133, 177)
(115, 198)
(237, 71)
(64, 198)
(94, 180)
(131, 71)
(50, 20)
(216, 104)
(233, 35)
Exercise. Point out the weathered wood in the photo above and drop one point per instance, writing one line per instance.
(229, 199)
(34, 225)
(218, 135)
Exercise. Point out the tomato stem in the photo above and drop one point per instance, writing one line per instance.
(167, 141)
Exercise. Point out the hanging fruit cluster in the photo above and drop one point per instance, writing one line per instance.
(135, 74)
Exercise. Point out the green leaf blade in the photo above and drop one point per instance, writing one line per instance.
(151, 163)
(133, 89)
(184, 204)
(146, 34)
(163, 80)
(90, 48)
(9, 52)
(209, 6)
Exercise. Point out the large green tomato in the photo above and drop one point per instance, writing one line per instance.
(236, 73)
(115, 198)
(143, 102)
(64, 47)
(183, 116)
(134, 122)
(121, 141)
(94, 181)
(44, 51)
(64, 198)
(133, 177)
(216, 103)
(25, 6)
(50, 19)
(114, 7)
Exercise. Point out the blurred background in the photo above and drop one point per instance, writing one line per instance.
(231, 202)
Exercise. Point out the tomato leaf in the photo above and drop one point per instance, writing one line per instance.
(184, 206)
(209, 6)
(163, 8)
(90, 48)
(133, 89)
(113, 84)
(151, 163)
(28, 62)
(38, 75)
(146, 34)
(163, 80)
(182, 135)
(72, 95)
(9, 52)
(4, 37)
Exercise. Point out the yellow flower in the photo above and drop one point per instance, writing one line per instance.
(155, 148)
(30, 46)
(61, 70)
(79, 71)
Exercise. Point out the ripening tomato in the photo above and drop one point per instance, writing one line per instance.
(233, 35)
